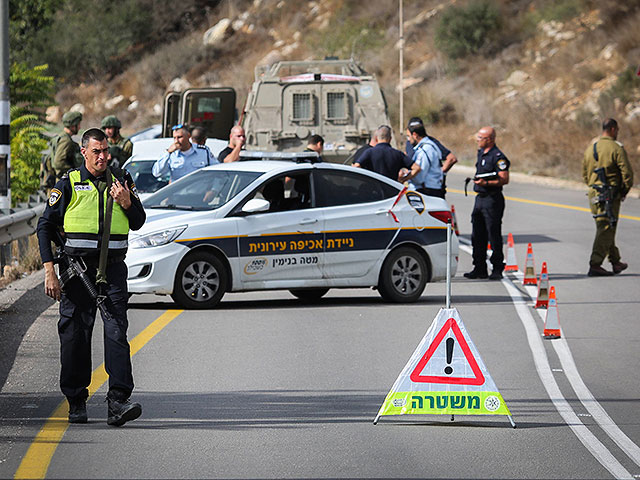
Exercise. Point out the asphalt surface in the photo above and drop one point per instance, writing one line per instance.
(268, 387)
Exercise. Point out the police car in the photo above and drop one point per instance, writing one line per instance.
(290, 223)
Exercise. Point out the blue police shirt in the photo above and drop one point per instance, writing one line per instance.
(443, 150)
(492, 161)
(428, 156)
(179, 163)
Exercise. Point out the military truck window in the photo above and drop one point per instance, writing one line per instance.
(337, 107)
(302, 107)
(335, 188)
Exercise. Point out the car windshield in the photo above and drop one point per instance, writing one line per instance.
(140, 171)
(205, 190)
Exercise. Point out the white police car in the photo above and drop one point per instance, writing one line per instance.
(297, 225)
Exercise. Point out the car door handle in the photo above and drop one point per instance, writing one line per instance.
(382, 211)
(308, 221)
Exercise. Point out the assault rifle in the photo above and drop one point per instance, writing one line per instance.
(70, 268)
(485, 176)
(605, 196)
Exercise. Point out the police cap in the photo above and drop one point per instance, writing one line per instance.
(110, 121)
(71, 118)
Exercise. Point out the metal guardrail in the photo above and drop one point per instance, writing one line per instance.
(19, 223)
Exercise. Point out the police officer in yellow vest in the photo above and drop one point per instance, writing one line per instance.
(120, 148)
(608, 153)
(77, 204)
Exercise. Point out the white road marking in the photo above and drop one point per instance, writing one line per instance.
(541, 361)
(582, 391)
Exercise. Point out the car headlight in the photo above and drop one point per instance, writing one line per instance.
(157, 239)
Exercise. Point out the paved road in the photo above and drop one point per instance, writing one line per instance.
(265, 387)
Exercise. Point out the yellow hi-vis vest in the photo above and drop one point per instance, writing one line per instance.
(84, 219)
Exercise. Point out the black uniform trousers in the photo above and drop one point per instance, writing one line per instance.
(486, 220)
(77, 317)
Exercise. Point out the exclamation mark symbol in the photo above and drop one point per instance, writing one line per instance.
(450, 343)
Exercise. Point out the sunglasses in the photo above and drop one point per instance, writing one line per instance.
(177, 127)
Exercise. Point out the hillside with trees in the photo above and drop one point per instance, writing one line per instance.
(544, 73)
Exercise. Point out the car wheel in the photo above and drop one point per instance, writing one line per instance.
(403, 276)
(201, 281)
(309, 294)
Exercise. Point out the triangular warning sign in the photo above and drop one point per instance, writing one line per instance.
(445, 375)
(450, 325)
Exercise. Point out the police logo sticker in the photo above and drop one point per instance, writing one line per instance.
(492, 403)
(82, 187)
(54, 196)
(502, 164)
(416, 201)
(256, 265)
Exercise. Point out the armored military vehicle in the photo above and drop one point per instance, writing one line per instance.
(214, 109)
(292, 100)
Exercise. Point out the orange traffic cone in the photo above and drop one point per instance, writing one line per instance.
(530, 268)
(512, 263)
(543, 288)
(551, 321)
(454, 220)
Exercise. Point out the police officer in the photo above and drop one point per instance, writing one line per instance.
(486, 218)
(608, 153)
(120, 148)
(67, 152)
(386, 160)
(426, 154)
(447, 158)
(199, 140)
(77, 205)
(181, 157)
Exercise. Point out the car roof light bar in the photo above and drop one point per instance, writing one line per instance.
(298, 157)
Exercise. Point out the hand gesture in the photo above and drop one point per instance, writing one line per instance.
(120, 194)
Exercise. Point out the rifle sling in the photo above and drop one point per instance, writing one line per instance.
(101, 276)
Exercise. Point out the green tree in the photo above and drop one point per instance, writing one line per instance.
(26, 17)
(31, 90)
(466, 30)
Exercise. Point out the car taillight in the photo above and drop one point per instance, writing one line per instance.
(443, 215)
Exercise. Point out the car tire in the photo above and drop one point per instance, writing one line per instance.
(201, 281)
(403, 276)
(309, 294)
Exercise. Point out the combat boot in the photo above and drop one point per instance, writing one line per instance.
(598, 271)
(77, 410)
(122, 411)
(619, 267)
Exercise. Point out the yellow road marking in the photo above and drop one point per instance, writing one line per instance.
(37, 459)
(547, 204)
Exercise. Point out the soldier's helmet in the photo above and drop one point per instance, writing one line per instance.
(110, 121)
(70, 119)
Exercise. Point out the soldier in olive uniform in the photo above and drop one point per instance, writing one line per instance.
(120, 148)
(608, 153)
(67, 152)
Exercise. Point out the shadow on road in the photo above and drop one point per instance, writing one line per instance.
(16, 320)
(259, 409)
(329, 302)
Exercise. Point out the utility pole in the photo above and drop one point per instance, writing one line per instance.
(5, 149)
(400, 81)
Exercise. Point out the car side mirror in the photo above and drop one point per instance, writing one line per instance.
(256, 205)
